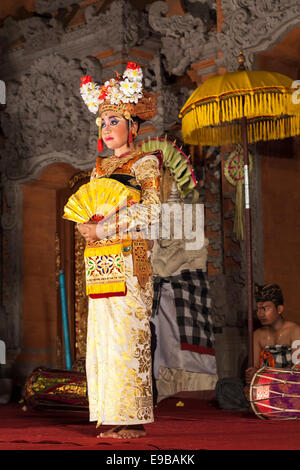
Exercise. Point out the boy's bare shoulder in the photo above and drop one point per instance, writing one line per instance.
(292, 325)
(294, 328)
(260, 333)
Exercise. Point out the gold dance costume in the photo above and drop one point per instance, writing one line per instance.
(118, 359)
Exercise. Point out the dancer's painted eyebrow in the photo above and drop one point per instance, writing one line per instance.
(109, 119)
(112, 117)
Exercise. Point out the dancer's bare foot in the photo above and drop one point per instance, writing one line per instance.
(131, 432)
(111, 433)
(124, 432)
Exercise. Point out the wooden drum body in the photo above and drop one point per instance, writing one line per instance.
(275, 393)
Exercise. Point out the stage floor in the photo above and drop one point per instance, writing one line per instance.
(197, 425)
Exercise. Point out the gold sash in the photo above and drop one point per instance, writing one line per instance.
(141, 264)
(105, 270)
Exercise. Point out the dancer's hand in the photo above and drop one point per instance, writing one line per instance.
(88, 231)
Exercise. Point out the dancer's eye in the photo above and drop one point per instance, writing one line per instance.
(114, 122)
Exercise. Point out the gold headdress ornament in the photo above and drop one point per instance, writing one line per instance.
(123, 94)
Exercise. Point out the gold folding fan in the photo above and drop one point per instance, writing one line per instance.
(98, 200)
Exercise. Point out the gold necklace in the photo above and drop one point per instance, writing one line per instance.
(110, 164)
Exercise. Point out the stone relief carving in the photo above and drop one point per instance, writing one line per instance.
(182, 37)
(48, 114)
(253, 26)
(9, 34)
(120, 26)
(39, 31)
(46, 6)
(205, 9)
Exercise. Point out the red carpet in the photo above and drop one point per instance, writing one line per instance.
(197, 425)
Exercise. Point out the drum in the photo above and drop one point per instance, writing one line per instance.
(275, 393)
(52, 388)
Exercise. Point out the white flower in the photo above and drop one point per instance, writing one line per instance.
(93, 107)
(114, 95)
(90, 93)
(130, 88)
(110, 82)
(125, 99)
(133, 74)
(135, 98)
(126, 87)
(136, 87)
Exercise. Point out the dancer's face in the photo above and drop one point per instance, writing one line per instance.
(114, 130)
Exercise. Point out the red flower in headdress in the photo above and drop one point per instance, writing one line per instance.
(103, 93)
(132, 66)
(85, 79)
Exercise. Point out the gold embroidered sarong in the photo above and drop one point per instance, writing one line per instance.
(118, 358)
(118, 364)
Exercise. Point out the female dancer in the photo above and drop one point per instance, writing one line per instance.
(118, 359)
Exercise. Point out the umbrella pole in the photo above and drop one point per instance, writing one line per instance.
(248, 243)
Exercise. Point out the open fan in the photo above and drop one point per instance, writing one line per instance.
(176, 161)
(98, 200)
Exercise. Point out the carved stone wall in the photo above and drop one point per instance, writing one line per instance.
(253, 27)
(42, 59)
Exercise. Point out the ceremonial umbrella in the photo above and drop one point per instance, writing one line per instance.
(241, 107)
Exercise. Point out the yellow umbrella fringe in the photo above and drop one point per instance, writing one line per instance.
(264, 129)
(253, 133)
(257, 101)
(231, 108)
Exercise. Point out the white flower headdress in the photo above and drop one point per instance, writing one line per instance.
(121, 90)
(123, 94)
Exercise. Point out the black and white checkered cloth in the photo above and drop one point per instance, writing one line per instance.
(281, 353)
(192, 306)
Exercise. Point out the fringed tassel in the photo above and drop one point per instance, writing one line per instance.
(238, 226)
(100, 141)
(216, 113)
(267, 108)
(100, 145)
